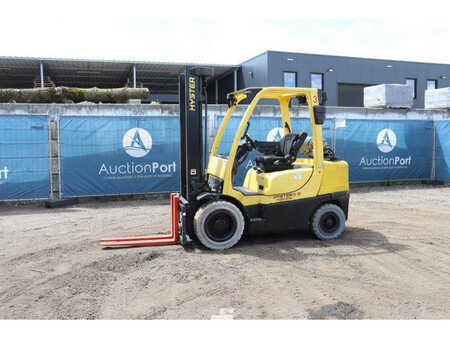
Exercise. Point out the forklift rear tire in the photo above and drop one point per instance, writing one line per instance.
(219, 225)
(328, 222)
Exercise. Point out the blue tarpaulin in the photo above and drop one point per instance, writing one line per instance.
(442, 158)
(110, 155)
(383, 150)
(24, 165)
(118, 155)
(126, 155)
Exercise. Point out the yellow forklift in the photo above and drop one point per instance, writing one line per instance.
(282, 192)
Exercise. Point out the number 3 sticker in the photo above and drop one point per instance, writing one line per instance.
(315, 100)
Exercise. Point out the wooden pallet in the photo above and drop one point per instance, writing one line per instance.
(48, 83)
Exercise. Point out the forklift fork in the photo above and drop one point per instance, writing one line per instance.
(171, 239)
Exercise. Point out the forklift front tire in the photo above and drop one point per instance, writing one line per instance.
(328, 222)
(219, 225)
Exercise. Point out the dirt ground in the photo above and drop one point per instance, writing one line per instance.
(392, 262)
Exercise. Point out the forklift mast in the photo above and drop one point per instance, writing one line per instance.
(192, 92)
(192, 89)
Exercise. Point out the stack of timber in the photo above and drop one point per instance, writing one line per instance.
(72, 95)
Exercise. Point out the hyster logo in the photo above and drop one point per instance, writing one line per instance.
(4, 174)
(137, 142)
(275, 135)
(386, 140)
(192, 93)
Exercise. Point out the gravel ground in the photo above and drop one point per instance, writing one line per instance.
(393, 262)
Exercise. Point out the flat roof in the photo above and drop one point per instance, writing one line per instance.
(159, 77)
(352, 57)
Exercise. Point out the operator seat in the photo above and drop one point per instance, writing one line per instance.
(284, 156)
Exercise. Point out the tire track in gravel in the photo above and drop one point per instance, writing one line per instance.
(75, 294)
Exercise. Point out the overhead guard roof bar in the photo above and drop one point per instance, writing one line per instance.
(274, 92)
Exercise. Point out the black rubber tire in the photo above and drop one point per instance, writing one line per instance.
(201, 227)
(327, 212)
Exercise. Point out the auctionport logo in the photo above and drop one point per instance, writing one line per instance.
(386, 140)
(4, 174)
(137, 142)
(275, 134)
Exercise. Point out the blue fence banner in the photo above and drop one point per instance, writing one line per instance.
(383, 150)
(111, 155)
(264, 128)
(24, 164)
(442, 158)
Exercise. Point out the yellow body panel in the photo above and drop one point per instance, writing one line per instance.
(277, 182)
(335, 177)
(217, 166)
(252, 180)
(308, 178)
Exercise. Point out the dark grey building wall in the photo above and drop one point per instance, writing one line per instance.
(254, 72)
(226, 85)
(268, 70)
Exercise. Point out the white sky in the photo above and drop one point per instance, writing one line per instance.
(224, 32)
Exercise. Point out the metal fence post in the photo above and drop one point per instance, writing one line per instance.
(55, 158)
(333, 136)
(433, 152)
(41, 72)
(50, 157)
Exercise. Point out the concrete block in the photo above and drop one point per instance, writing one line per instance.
(437, 98)
(388, 96)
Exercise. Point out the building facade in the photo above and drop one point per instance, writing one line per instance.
(343, 78)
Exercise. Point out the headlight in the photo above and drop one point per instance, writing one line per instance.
(215, 184)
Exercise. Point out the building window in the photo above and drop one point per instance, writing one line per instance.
(432, 84)
(413, 84)
(290, 79)
(317, 80)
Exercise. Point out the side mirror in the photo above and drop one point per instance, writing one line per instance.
(319, 114)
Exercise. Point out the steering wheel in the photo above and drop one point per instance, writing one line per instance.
(247, 137)
(243, 150)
